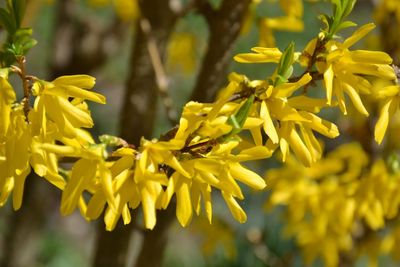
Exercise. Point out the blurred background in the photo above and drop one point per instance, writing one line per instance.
(196, 44)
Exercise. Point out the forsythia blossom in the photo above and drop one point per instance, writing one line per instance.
(327, 202)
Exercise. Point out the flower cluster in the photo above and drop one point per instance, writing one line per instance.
(206, 151)
(189, 165)
(58, 114)
(328, 204)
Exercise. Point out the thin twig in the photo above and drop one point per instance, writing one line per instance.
(161, 77)
(21, 71)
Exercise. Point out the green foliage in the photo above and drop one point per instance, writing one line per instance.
(237, 120)
(285, 68)
(19, 40)
(337, 22)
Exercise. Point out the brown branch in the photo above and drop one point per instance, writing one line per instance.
(137, 119)
(155, 241)
(26, 85)
(161, 77)
(224, 26)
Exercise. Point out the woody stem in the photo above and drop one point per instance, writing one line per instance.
(25, 84)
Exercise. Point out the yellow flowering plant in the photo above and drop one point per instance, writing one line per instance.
(251, 119)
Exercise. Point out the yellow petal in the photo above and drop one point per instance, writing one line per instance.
(253, 153)
(222, 99)
(96, 205)
(19, 182)
(320, 125)
(174, 163)
(83, 172)
(355, 98)
(234, 207)
(340, 96)
(170, 190)
(312, 143)
(280, 110)
(6, 189)
(106, 182)
(126, 215)
(383, 120)
(387, 91)
(257, 136)
(358, 34)
(73, 91)
(81, 81)
(287, 89)
(371, 57)
(298, 147)
(328, 80)
(7, 97)
(246, 176)
(283, 141)
(149, 210)
(206, 193)
(111, 218)
(263, 55)
(269, 127)
(306, 103)
(184, 210)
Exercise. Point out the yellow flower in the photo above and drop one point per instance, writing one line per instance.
(14, 166)
(262, 55)
(61, 101)
(44, 163)
(390, 105)
(345, 70)
(219, 169)
(281, 122)
(7, 98)
(326, 202)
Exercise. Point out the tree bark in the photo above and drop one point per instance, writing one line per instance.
(156, 240)
(224, 25)
(139, 107)
(137, 115)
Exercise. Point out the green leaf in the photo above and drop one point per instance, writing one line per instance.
(348, 8)
(346, 24)
(337, 9)
(237, 121)
(287, 58)
(327, 20)
(285, 65)
(244, 110)
(233, 122)
(28, 45)
(22, 41)
(341, 9)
